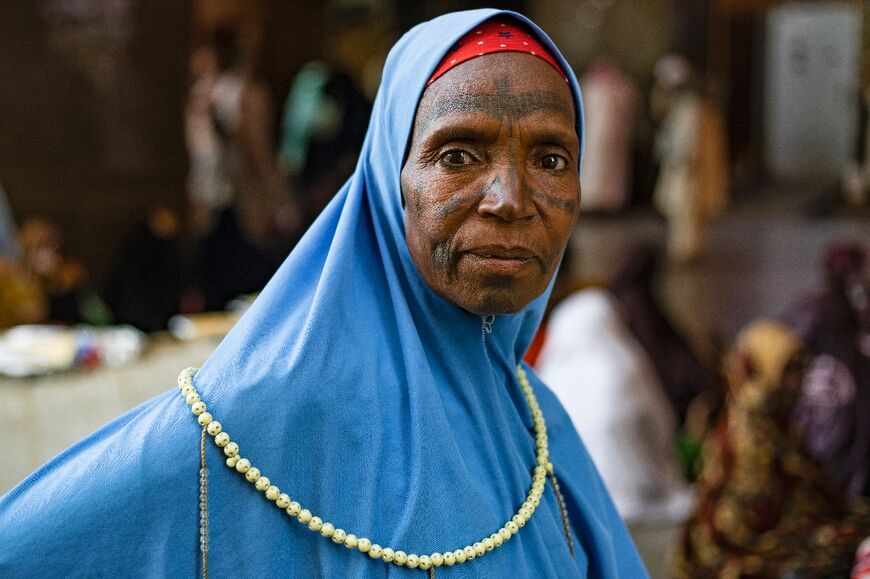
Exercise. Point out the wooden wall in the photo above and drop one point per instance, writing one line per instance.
(91, 115)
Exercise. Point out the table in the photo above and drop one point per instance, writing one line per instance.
(40, 417)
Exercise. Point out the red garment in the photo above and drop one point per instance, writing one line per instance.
(535, 347)
(495, 35)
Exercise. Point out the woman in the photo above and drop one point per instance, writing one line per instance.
(681, 373)
(765, 508)
(375, 379)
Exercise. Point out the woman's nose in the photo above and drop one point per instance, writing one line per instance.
(507, 195)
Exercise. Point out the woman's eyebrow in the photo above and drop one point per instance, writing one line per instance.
(499, 105)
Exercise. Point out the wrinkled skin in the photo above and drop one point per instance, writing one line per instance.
(491, 183)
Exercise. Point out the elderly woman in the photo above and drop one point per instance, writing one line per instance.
(373, 394)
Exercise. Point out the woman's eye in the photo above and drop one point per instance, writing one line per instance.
(554, 162)
(456, 158)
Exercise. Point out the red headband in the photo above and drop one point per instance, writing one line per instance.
(498, 34)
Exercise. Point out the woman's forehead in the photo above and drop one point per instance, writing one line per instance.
(508, 85)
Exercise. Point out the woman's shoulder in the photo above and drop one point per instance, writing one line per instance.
(106, 500)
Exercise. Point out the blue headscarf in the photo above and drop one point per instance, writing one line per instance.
(369, 399)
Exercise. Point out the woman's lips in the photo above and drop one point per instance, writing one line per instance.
(499, 260)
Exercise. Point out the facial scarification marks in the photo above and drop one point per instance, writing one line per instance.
(459, 201)
(417, 185)
(501, 104)
(568, 206)
(442, 255)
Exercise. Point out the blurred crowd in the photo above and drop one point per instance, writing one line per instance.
(252, 192)
(760, 455)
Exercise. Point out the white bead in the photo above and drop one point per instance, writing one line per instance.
(272, 493)
(185, 390)
(262, 483)
(401, 558)
(497, 539)
(315, 524)
(304, 516)
(198, 408)
(283, 501)
(437, 559)
(518, 520)
(232, 461)
(294, 508)
(387, 555)
(479, 549)
(339, 536)
(222, 439)
(214, 427)
(412, 562)
(351, 541)
(504, 533)
(327, 530)
(364, 545)
(232, 449)
(512, 527)
(425, 562)
(243, 465)
(185, 377)
(204, 418)
(253, 474)
(469, 553)
(449, 558)
(459, 555)
(375, 551)
(192, 397)
(488, 544)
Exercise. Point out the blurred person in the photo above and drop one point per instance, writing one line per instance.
(62, 280)
(21, 298)
(611, 101)
(208, 186)
(856, 177)
(692, 186)
(239, 201)
(377, 377)
(861, 567)
(10, 248)
(766, 509)
(148, 278)
(324, 124)
(834, 407)
(679, 370)
(608, 386)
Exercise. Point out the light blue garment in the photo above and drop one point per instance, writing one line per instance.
(357, 390)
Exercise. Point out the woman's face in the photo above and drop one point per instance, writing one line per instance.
(491, 183)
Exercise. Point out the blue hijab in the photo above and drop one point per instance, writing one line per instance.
(369, 399)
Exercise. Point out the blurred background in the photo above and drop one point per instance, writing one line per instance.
(158, 160)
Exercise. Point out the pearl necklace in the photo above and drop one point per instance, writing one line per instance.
(339, 536)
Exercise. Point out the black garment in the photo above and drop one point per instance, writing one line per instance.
(681, 373)
(231, 266)
(147, 281)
